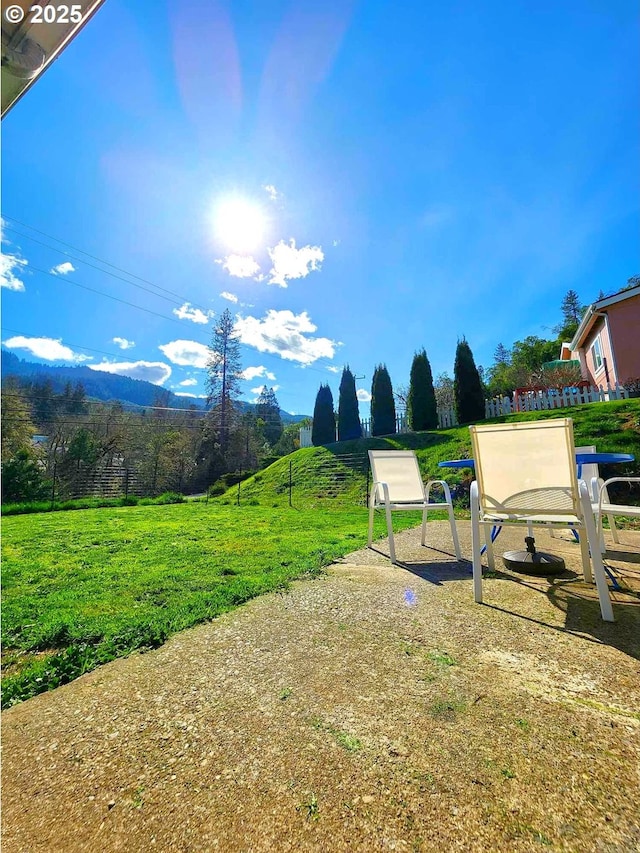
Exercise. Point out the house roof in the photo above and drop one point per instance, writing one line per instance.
(596, 309)
(30, 43)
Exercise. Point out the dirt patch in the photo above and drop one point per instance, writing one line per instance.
(376, 708)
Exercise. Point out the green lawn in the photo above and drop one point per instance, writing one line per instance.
(81, 588)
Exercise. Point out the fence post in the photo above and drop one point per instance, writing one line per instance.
(290, 482)
(53, 485)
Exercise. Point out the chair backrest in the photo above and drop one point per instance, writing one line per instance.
(526, 468)
(399, 469)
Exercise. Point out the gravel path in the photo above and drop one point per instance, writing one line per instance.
(375, 708)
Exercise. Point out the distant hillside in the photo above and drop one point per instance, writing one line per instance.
(107, 386)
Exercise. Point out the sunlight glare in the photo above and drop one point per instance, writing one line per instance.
(240, 224)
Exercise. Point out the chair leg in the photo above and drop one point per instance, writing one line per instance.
(392, 545)
(370, 537)
(424, 527)
(614, 528)
(454, 532)
(491, 559)
(606, 608)
(475, 544)
(586, 559)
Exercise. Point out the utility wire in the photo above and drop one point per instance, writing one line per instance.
(68, 280)
(182, 299)
(93, 257)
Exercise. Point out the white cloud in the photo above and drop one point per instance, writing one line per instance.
(151, 371)
(240, 266)
(272, 192)
(63, 269)
(186, 353)
(123, 343)
(9, 266)
(282, 332)
(333, 369)
(186, 382)
(251, 373)
(48, 348)
(230, 296)
(186, 312)
(193, 396)
(289, 262)
(363, 396)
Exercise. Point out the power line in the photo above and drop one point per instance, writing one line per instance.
(93, 257)
(182, 299)
(68, 280)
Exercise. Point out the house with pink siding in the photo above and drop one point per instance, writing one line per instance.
(607, 341)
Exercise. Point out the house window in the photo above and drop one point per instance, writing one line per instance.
(596, 354)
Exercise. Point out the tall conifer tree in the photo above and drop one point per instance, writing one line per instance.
(383, 407)
(422, 410)
(323, 430)
(467, 387)
(348, 414)
(224, 371)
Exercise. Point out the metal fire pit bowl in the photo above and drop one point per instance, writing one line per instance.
(532, 562)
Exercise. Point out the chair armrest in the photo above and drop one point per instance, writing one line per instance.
(445, 488)
(385, 491)
(603, 487)
(594, 488)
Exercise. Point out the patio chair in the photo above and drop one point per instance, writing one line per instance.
(397, 485)
(526, 473)
(590, 473)
(604, 506)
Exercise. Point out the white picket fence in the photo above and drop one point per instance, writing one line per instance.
(530, 401)
(538, 401)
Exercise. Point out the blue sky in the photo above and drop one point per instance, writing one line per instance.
(353, 180)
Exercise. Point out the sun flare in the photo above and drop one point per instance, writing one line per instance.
(240, 224)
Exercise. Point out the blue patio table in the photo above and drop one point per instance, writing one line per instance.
(582, 458)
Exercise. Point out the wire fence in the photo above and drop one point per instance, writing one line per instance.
(108, 481)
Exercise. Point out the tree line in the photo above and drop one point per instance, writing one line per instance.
(526, 363)
(465, 394)
(66, 437)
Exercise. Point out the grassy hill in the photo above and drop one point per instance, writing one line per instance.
(339, 471)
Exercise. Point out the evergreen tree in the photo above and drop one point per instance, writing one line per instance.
(422, 410)
(268, 409)
(324, 420)
(348, 415)
(383, 408)
(572, 312)
(467, 387)
(224, 372)
(501, 355)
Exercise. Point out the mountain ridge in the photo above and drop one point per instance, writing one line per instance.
(108, 386)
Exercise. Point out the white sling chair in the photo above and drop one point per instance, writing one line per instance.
(397, 485)
(526, 473)
(603, 506)
(590, 473)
